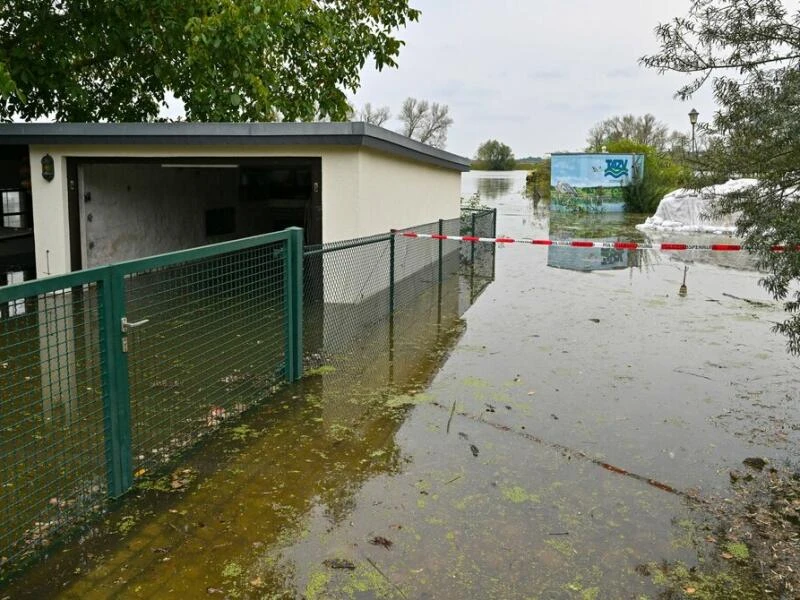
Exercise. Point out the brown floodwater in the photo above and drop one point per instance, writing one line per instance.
(559, 435)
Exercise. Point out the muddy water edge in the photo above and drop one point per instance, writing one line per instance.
(561, 439)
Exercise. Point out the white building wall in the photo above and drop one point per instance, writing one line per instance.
(395, 193)
(364, 191)
(50, 215)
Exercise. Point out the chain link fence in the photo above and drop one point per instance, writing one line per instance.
(351, 288)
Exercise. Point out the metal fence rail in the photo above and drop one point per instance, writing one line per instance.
(108, 372)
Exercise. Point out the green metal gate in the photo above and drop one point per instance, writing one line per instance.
(107, 373)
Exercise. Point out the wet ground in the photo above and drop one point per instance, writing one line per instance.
(553, 442)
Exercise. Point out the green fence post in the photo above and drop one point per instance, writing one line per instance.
(391, 272)
(116, 393)
(391, 304)
(472, 249)
(441, 232)
(293, 303)
(494, 246)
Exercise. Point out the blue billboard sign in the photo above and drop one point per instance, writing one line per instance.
(592, 182)
(595, 170)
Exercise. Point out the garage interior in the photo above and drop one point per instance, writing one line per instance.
(121, 209)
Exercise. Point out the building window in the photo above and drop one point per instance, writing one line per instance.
(13, 209)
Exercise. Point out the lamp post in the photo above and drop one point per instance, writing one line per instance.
(693, 120)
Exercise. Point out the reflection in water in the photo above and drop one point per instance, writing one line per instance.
(597, 227)
(493, 188)
(302, 457)
(590, 259)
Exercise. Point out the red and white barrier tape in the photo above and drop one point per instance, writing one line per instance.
(588, 243)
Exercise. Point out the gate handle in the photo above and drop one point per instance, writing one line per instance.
(126, 326)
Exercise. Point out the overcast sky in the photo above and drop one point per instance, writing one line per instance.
(534, 74)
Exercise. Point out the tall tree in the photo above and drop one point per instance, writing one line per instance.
(495, 156)
(425, 122)
(435, 125)
(749, 52)
(645, 130)
(374, 116)
(412, 115)
(227, 60)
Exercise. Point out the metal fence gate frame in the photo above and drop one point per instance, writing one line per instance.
(77, 332)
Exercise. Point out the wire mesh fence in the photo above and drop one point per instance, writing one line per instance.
(109, 372)
(350, 288)
(52, 415)
(481, 222)
(212, 346)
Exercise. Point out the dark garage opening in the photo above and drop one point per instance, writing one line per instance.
(132, 208)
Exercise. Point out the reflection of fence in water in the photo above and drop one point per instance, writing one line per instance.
(213, 340)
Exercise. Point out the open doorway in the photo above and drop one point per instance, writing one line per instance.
(133, 208)
(284, 195)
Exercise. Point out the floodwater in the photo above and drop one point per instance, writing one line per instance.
(551, 442)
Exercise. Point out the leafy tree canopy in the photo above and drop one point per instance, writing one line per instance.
(227, 60)
(749, 52)
(661, 175)
(495, 156)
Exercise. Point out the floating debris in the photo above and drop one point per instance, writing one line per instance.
(339, 563)
(216, 415)
(755, 463)
(379, 540)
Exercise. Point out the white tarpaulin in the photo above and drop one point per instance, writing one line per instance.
(687, 210)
